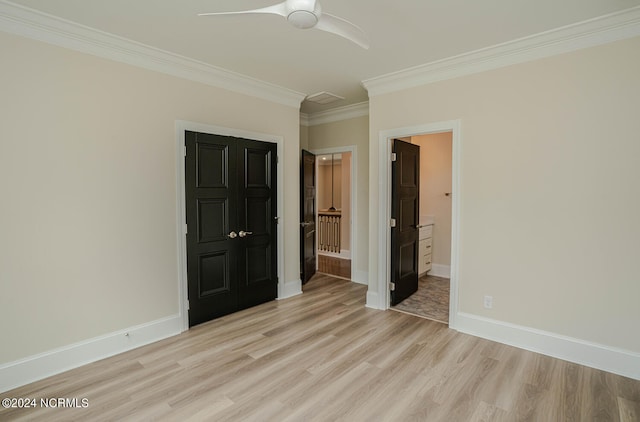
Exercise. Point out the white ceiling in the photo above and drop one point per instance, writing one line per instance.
(403, 33)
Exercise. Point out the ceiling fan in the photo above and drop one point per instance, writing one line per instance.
(305, 14)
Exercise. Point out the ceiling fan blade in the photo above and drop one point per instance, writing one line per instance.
(344, 28)
(276, 9)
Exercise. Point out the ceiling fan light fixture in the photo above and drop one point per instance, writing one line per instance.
(302, 19)
(306, 14)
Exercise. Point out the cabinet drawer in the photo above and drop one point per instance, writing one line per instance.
(427, 262)
(424, 263)
(422, 266)
(424, 246)
(426, 231)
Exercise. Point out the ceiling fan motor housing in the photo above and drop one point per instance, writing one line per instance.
(303, 14)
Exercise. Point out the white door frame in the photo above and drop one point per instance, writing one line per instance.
(353, 149)
(181, 216)
(384, 183)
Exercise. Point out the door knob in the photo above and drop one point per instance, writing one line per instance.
(232, 235)
(244, 233)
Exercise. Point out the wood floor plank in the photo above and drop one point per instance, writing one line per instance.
(598, 397)
(486, 412)
(629, 410)
(324, 356)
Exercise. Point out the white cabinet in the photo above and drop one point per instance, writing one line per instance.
(425, 244)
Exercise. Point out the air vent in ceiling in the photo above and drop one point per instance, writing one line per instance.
(324, 98)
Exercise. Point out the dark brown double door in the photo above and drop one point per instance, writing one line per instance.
(230, 189)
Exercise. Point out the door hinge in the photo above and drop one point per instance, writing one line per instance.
(392, 286)
(277, 158)
(392, 222)
(185, 150)
(186, 228)
(394, 156)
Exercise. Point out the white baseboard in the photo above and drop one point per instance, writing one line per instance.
(43, 365)
(440, 270)
(360, 277)
(344, 254)
(373, 300)
(606, 358)
(289, 289)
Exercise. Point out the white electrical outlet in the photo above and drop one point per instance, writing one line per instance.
(488, 302)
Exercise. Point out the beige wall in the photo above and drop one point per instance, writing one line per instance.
(351, 132)
(435, 181)
(88, 182)
(550, 197)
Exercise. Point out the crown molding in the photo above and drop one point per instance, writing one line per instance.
(589, 33)
(335, 114)
(47, 28)
(304, 119)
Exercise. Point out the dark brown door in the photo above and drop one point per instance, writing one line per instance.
(307, 216)
(257, 222)
(230, 188)
(405, 202)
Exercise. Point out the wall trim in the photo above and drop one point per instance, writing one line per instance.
(335, 114)
(343, 254)
(594, 355)
(36, 25)
(440, 270)
(360, 277)
(289, 289)
(181, 217)
(590, 33)
(373, 301)
(43, 365)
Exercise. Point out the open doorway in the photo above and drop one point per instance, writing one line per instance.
(334, 209)
(431, 300)
(378, 297)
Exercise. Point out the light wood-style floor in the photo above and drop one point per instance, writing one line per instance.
(324, 356)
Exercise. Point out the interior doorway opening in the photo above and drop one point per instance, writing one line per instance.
(431, 299)
(334, 243)
(378, 297)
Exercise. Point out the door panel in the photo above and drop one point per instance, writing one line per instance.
(212, 214)
(212, 165)
(405, 201)
(229, 188)
(214, 274)
(308, 256)
(211, 254)
(257, 275)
